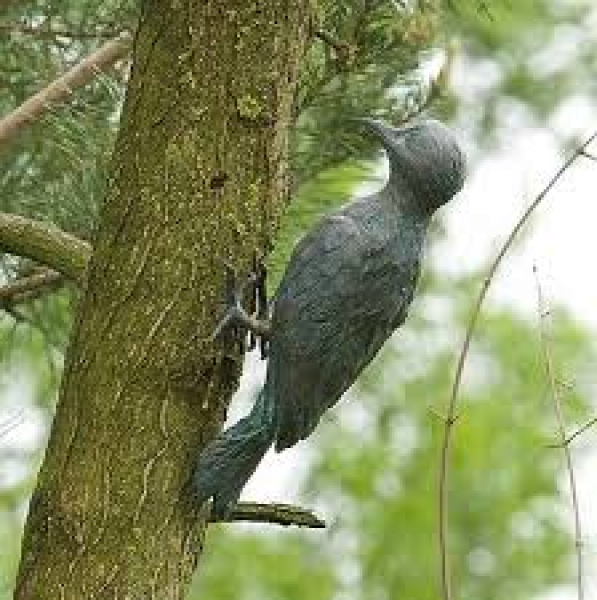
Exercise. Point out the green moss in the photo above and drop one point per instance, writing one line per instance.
(254, 190)
(249, 107)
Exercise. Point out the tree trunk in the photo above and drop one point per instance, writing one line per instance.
(198, 176)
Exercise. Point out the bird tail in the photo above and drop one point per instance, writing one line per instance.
(228, 462)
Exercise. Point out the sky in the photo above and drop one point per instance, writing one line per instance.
(560, 238)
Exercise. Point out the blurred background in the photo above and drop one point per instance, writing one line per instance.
(516, 81)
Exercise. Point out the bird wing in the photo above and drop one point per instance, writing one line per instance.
(341, 297)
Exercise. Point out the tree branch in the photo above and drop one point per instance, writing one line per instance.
(29, 287)
(46, 244)
(279, 514)
(79, 75)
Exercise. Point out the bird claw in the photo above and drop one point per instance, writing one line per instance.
(236, 321)
(229, 328)
(262, 307)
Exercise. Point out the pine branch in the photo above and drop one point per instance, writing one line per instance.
(53, 33)
(342, 49)
(79, 75)
(45, 244)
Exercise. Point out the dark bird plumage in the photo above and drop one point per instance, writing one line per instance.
(347, 287)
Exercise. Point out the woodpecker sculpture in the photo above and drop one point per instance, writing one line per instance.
(347, 287)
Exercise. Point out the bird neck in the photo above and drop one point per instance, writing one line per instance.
(402, 198)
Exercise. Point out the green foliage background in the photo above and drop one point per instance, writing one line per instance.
(373, 469)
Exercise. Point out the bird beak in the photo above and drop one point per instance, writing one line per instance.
(387, 134)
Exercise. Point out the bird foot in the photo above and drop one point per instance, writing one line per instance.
(237, 321)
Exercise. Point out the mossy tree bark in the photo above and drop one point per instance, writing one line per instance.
(198, 176)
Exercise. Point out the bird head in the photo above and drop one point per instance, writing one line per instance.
(425, 157)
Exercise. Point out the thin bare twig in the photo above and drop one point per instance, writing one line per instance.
(557, 403)
(278, 514)
(581, 430)
(589, 155)
(450, 416)
(79, 75)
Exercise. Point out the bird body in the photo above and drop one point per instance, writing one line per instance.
(347, 287)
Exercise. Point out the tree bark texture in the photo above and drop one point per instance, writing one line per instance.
(198, 176)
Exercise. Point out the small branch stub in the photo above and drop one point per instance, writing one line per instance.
(46, 244)
(278, 514)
